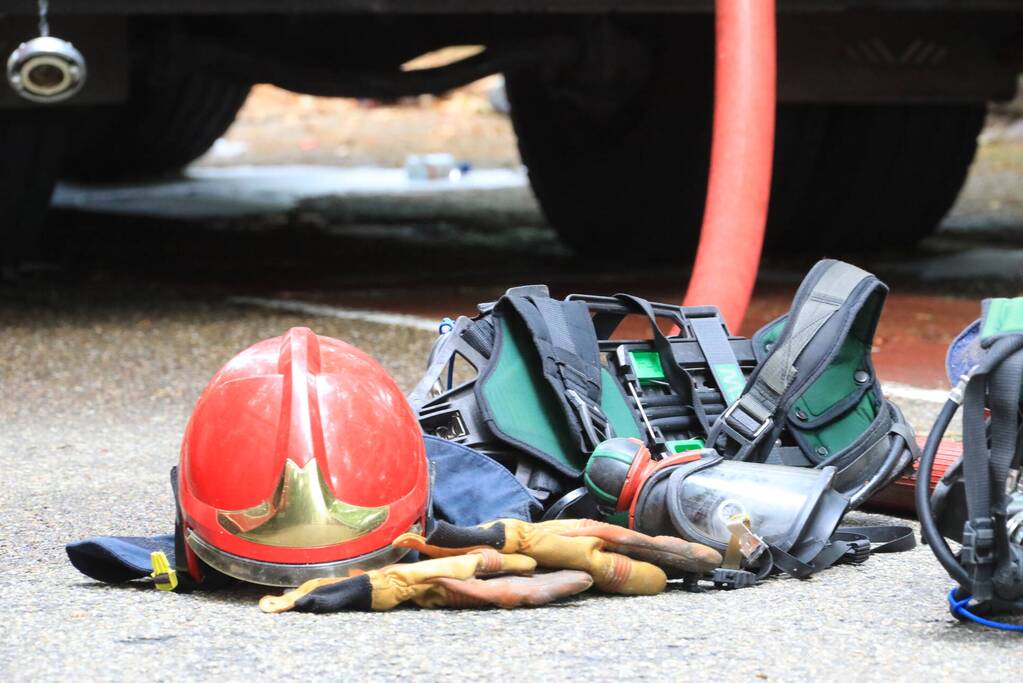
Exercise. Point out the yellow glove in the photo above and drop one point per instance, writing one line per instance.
(579, 545)
(447, 582)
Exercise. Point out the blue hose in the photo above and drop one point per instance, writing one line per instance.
(959, 609)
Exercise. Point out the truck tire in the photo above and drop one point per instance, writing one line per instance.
(856, 177)
(31, 146)
(846, 177)
(627, 186)
(168, 122)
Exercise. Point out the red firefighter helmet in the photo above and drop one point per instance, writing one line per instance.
(302, 459)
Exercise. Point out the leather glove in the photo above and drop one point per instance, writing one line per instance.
(447, 582)
(586, 552)
(619, 560)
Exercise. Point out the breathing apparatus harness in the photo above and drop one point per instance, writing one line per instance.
(979, 501)
(555, 380)
(823, 343)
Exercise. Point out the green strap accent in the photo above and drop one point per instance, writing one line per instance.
(833, 386)
(616, 409)
(730, 380)
(1002, 316)
(524, 407)
(843, 431)
(523, 404)
(600, 493)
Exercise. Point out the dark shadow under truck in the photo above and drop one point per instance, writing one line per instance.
(880, 102)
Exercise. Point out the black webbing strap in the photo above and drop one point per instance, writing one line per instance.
(993, 383)
(848, 544)
(542, 484)
(976, 474)
(678, 379)
(711, 337)
(883, 539)
(750, 422)
(990, 447)
(563, 335)
(480, 335)
(1003, 400)
(793, 566)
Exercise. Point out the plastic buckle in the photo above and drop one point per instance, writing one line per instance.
(978, 556)
(978, 542)
(731, 579)
(164, 578)
(858, 551)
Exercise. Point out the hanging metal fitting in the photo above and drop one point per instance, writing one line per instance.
(46, 69)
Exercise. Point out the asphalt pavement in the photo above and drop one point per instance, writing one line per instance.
(103, 356)
(98, 386)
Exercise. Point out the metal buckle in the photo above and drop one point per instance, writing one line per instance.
(594, 434)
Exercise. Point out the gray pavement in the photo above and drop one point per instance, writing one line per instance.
(97, 386)
(101, 361)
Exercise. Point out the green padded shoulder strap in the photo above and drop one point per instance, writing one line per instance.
(1001, 316)
(522, 409)
(815, 343)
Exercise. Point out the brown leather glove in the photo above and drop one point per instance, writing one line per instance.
(447, 582)
(619, 560)
(586, 552)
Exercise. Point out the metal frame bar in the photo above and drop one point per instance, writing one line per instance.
(182, 7)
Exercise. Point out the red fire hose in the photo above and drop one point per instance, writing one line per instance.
(739, 184)
(898, 496)
(741, 154)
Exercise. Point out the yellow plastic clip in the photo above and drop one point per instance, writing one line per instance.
(165, 578)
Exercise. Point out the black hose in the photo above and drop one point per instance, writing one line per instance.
(929, 528)
(900, 455)
(896, 454)
(677, 410)
(651, 400)
(673, 424)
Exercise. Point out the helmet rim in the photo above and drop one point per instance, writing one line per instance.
(286, 575)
